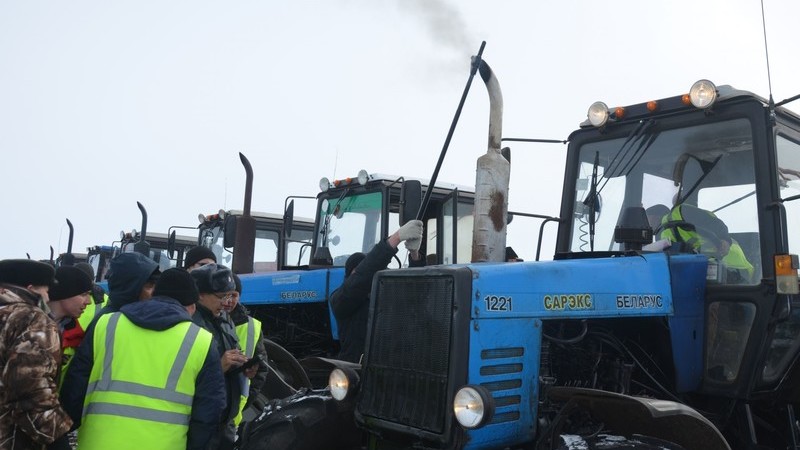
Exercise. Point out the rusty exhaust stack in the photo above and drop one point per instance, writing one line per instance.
(491, 182)
(244, 245)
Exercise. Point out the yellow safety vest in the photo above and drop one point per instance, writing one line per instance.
(142, 385)
(735, 259)
(248, 333)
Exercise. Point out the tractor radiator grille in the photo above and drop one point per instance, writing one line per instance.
(405, 373)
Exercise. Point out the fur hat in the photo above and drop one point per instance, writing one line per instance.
(71, 282)
(352, 262)
(213, 278)
(178, 284)
(26, 272)
(196, 254)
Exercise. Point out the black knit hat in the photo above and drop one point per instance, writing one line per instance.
(352, 262)
(196, 254)
(178, 284)
(213, 278)
(26, 272)
(86, 268)
(71, 282)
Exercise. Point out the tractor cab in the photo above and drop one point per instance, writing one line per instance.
(273, 249)
(353, 214)
(715, 172)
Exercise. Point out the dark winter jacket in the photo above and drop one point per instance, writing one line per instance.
(350, 302)
(225, 339)
(160, 313)
(30, 356)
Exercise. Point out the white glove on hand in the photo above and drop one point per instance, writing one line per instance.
(412, 230)
(413, 245)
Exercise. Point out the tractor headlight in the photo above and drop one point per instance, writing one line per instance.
(703, 94)
(324, 184)
(343, 383)
(598, 114)
(473, 406)
(363, 177)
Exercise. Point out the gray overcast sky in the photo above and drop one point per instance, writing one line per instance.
(103, 104)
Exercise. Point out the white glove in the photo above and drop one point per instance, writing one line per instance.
(410, 231)
(413, 245)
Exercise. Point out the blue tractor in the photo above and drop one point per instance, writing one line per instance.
(638, 334)
(352, 215)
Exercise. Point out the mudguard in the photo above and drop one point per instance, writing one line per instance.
(627, 415)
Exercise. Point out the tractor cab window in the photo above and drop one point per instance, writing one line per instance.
(698, 180)
(789, 185)
(350, 224)
(265, 254)
(786, 339)
(456, 232)
(298, 248)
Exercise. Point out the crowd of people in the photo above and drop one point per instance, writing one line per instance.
(161, 361)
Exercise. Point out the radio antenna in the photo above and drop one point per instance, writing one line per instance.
(766, 52)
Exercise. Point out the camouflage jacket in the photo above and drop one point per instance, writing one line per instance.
(30, 355)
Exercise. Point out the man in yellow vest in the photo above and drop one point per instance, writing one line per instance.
(156, 378)
(701, 231)
(216, 287)
(251, 341)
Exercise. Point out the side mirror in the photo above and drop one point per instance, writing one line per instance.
(288, 220)
(410, 200)
(171, 245)
(229, 228)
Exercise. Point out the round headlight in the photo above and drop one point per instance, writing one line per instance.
(598, 114)
(343, 383)
(703, 94)
(221, 213)
(324, 184)
(201, 218)
(363, 176)
(472, 406)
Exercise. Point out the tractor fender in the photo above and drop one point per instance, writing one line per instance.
(628, 415)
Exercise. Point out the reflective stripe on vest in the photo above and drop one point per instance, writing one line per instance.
(142, 384)
(247, 334)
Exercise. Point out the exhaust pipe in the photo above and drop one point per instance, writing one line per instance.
(142, 246)
(244, 245)
(491, 183)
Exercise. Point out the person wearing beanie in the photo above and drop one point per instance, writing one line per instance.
(183, 386)
(30, 357)
(70, 296)
(251, 341)
(198, 257)
(216, 288)
(350, 302)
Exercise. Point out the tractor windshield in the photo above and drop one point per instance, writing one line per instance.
(706, 167)
(350, 223)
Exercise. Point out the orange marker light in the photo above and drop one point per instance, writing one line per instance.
(686, 100)
(619, 112)
(786, 274)
(652, 106)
